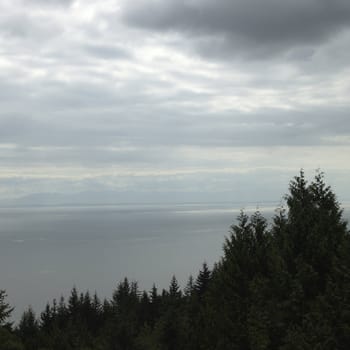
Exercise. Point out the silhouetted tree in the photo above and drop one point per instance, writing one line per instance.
(28, 330)
(5, 310)
(202, 280)
(8, 341)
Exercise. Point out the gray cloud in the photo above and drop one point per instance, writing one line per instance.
(108, 52)
(111, 138)
(94, 97)
(50, 2)
(243, 27)
(25, 27)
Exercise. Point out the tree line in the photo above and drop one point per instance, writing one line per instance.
(283, 285)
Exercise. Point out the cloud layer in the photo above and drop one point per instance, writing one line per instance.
(240, 27)
(165, 95)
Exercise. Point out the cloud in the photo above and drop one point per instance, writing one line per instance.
(26, 26)
(49, 2)
(107, 51)
(244, 28)
(110, 94)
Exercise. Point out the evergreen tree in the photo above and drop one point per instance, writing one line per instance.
(174, 289)
(189, 288)
(5, 310)
(73, 303)
(8, 341)
(202, 280)
(28, 330)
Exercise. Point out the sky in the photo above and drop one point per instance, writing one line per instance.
(191, 100)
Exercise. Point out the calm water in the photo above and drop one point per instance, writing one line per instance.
(44, 252)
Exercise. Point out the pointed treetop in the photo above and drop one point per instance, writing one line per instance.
(174, 288)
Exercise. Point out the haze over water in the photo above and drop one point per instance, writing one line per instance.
(45, 251)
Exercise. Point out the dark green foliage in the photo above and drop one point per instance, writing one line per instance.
(8, 340)
(28, 330)
(174, 290)
(202, 281)
(282, 287)
(5, 309)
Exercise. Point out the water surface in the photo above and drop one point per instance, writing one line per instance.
(45, 251)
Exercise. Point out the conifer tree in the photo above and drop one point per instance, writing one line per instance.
(5, 309)
(202, 280)
(190, 287)
(174, 289)
(73, 302)
(28, 330)
(8, 341)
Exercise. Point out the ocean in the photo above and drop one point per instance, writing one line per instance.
(45, 251)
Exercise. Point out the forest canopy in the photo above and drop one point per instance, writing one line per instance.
(280, 285)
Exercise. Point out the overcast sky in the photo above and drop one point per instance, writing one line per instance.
(183, 100)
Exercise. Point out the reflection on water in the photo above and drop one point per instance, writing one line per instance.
(45, 251)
